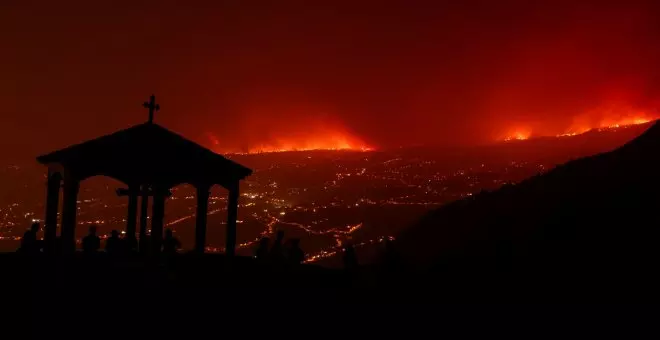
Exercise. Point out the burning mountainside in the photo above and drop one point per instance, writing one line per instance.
(518, 134)
(607, 126)
(585, 123)
(327, 140)
(283, 127)
(611, 117)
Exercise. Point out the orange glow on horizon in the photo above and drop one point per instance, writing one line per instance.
(610, 115)
(518, 134)
(600, 120)
(624, 122)
(323, 141)
(334, 143)
(607, 124)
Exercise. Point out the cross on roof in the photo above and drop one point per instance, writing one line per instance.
(152, 106)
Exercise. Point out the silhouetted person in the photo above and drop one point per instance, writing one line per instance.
(91, 243)
(29, 242)
(350, 257)
(57, 245)
(295, 254)
(261, 253)
(391, 256)
(144, 245)
(277, 250)
(131, 244)
(114, 245)
(170, 243)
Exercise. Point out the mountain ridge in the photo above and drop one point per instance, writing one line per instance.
(595, 211)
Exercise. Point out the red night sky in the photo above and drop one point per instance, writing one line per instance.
(379, 73)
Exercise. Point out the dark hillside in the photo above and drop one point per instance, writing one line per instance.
(595, 213)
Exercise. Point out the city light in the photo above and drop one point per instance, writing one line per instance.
(336, 203)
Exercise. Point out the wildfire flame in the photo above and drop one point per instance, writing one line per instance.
(329, 142)
(625, 122)
(606, 124)
(322, 141)
(604, 118)
(518, 134)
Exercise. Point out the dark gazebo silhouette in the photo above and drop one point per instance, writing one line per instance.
(150, 160)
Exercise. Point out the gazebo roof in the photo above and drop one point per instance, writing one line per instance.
(147, 154)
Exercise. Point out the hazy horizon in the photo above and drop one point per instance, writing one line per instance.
(383, 74)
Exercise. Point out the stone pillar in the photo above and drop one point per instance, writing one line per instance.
(157, 215)
(52, 204)
(131, 214)
(201, 216)
(232, 214)
(144, 212)
(69, 212)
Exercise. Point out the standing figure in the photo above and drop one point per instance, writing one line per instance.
(350, 258)
(295, 254)
(29, 242)
(114, 245)
(277, 250)
(170, 243)
(131, 244)
(91, 243)
(261, 254)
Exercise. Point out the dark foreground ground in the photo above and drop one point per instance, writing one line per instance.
(193, 297)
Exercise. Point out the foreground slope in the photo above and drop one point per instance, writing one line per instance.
(595, 213)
